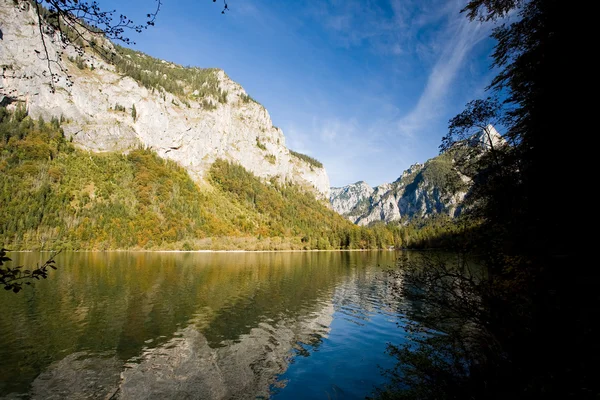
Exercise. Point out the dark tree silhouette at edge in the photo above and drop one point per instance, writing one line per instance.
(535, 305)
(13, 278)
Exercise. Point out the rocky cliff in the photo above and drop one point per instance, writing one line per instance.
(352, 200)
(190, 115)
(419, 192)
(423, 190)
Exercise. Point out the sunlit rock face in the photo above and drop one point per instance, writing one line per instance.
(192, 135)
(423, 190)
(348, 200)
(411, 195)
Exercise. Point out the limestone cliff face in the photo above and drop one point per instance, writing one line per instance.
(422, 190)
(187, 132)
(351, 200)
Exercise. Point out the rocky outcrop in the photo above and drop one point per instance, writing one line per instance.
(421, 191)
(186, 131)
(351, 200)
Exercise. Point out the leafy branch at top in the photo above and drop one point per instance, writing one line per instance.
(225, 7)
(78, 23)
(14, 278)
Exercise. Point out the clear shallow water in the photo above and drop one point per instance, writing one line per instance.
(200, 325)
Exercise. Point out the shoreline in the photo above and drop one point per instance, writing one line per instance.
(200, 251)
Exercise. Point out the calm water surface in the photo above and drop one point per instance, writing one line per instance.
(200, 326)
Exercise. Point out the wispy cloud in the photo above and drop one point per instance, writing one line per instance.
(460, 38)
(432, 35)
(384, 85)
(349, 150)
(356, 23)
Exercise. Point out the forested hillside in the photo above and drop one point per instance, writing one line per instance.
(54, 195)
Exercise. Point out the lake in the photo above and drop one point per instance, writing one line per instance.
(129, 325)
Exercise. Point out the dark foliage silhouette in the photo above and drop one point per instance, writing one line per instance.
(523, 327)
(13, 278)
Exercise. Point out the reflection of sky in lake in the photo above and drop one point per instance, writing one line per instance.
(347, 364)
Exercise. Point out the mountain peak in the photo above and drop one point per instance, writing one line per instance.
(423, 190)
(486, 139)
(346, 198)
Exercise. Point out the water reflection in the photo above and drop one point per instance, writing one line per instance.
(197, 325)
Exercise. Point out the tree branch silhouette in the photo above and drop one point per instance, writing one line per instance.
(78, 24)
(14, 278)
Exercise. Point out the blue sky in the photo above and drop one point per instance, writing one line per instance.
(367, 87)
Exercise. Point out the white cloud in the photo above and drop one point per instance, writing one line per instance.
(347, 149)
(428, 41)
(456, 41)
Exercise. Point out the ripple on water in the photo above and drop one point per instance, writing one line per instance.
(203, 326)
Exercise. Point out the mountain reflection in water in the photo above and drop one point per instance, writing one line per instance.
(200, 325)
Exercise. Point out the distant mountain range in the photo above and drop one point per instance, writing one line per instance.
(423, 190)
